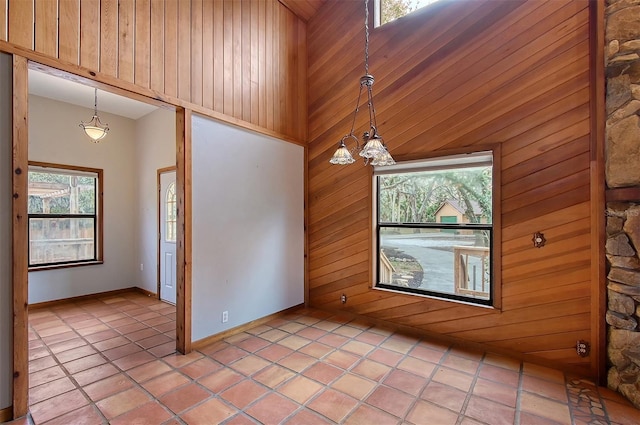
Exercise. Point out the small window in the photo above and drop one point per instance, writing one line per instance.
(65, 226)
(434, 228)
(171, 213)
(390, 10)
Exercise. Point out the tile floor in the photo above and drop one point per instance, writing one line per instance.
(111, 360)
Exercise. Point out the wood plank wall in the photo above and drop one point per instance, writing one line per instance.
(242, 58)
(458, 75)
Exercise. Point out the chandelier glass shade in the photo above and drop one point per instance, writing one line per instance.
(95, 129)
(373, 148)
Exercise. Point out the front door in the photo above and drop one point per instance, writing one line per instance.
(168, 228)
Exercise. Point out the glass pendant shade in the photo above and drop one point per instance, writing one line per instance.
(94, 129)
(383, 159)
(342, 156)
(373, 148)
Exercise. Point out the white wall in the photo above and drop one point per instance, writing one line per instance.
(6, 223)
(248, 226)
(155, 148)
(54, 136)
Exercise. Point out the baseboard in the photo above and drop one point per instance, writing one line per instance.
(47, 304)
(195, 345)
(146, 292)
(6, 414)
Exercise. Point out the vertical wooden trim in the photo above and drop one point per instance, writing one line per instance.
(227, 45)
(496, 252)
(142, 52)
(100, 223)
(269, 64)
(126, 39)
(302, 97)
(218, 56)
(46, 27)
(262, 92)
(156, 59)
(20, 168)
(254, 59)
(196, 52)
(21, 11)
(245, 59)
(3, 20)
(69, 31)
(183, 185)
(171, 48)
(597, 177)
(236, 52)
(90, 25)
(184, 50)
(109, 37)
(208, 47)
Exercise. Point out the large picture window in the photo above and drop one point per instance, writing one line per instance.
(434, 227)
(64, 215)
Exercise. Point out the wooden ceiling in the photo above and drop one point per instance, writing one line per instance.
(304, 9)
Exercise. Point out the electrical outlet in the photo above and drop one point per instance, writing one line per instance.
(141, 267)
(225, 316)
(343, 298)
(583, 348)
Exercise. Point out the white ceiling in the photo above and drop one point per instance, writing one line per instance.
(49, 86)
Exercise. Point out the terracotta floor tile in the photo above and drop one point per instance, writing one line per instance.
(259, 329)
(370, 337)
(75, 353)
(110, 343)
(95, 373)
(237, 338)
(93, 329)
(178, 360)
(108, 386)
(348, 331)
(544, 388)
(294, 342)
(333, 404)
(101, 336)
(132, 360)
(323, 373)
(121, 351)
(87, 415)
(241, 419)
(153, 341)
(44, 376)
(274, 352)
(311, 333)
(155, 321)
(417, 366)
(300, 389)
(487, 411)
(462, 364)
(326, 325)
(151, 413)
(390, 400)
(307, 417)
(132, 326)
(66, 345)
(50, 389)
(354, 385)
(453, 378)
(494, 391)
(229, 355)
(370, 369)
(163, 349)
(165, 383)
(220, 380)
(398, 345)
(253, 344)
(499, 374)
(199, 368)
(143, 333)
(404, 381)
(148, 370)
(123, 402)
(384, 356)
(543, 373)
(292, 327)
(55, 330)
(333, 340)
(65, 336)
(530, 419)
(297, 361)
(435, 414)
(243, 393)
(317, 350)
(212, 411)
(544, 407)
(445, 396)
(166, 327)
(41, 364)
(249, 365)
(622, 413)
(84, 363)
(341, 359)
(274, 335)
(367, 415)
(357, 347)
(57, 406)
(272, 376)
(185, 397)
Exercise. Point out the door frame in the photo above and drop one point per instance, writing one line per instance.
(22, 62)
(159, 204)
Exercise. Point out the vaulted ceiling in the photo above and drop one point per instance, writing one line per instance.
(304, 9)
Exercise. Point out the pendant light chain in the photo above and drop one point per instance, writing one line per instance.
(95, 102)
(366, 37)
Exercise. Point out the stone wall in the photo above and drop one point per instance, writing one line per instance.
(622, 169)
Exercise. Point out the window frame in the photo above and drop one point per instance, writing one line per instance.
(98, 257)
(494, 301)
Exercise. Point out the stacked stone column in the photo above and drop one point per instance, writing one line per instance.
(622, 168)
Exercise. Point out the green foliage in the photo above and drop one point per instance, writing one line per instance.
(62, 204)
(394, 9)
(416, 197)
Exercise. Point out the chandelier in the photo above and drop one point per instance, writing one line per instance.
(374, 150)
(94, 128)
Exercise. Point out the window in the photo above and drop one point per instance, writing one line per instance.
(65, 226)
(171, 213)
(390, 10)
(434, 228)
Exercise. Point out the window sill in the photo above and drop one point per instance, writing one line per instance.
(432, 297)
(64, 266)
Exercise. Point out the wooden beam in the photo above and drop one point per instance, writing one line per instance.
(20, 262)
(623, 194)
(183, 273)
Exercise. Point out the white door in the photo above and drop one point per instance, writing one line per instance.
(168, 229)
